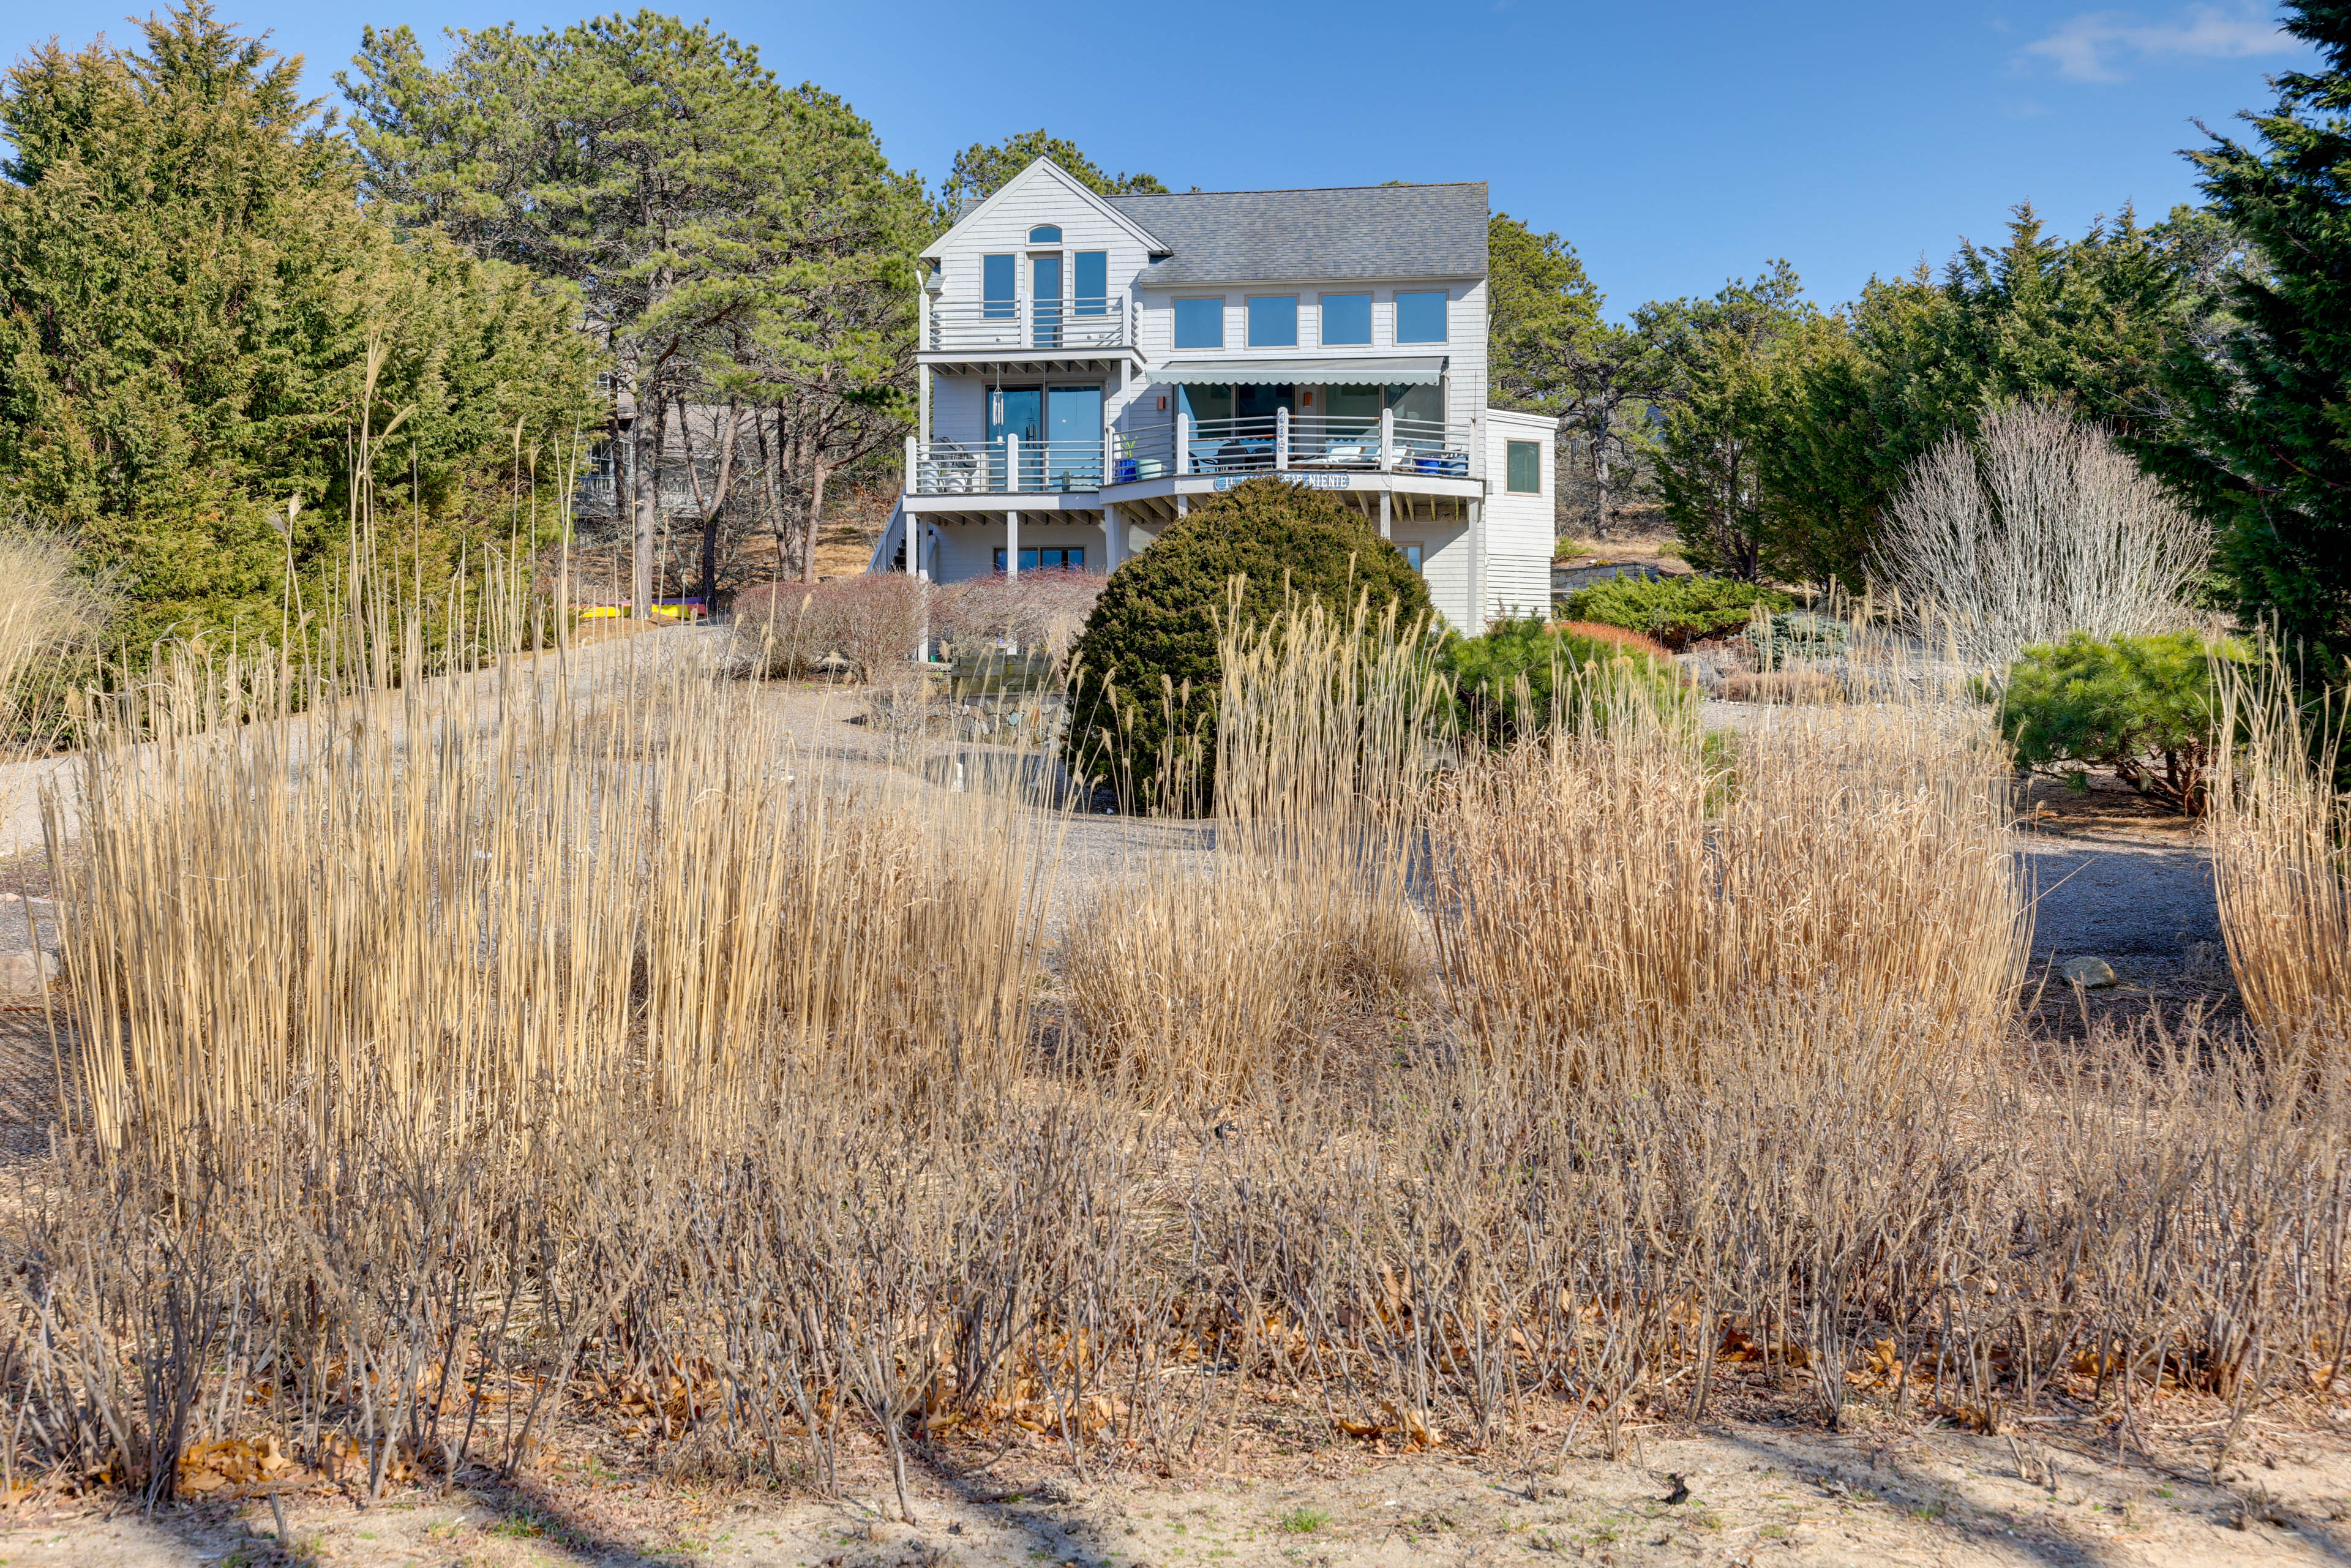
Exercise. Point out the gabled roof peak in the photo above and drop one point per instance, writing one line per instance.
(1044, 168)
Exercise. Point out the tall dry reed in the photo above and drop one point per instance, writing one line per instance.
(1192, 977)
(602, 883)
(2281, 838)
(1644, 882)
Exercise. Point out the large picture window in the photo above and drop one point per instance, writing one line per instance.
(996, 285)
(1273, 321)
(1199, 323)
(1089, 272)
(1346, 319)
(1420, 317)
(1525, 468)
(1053, 558)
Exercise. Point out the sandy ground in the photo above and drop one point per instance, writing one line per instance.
(1735, 1495)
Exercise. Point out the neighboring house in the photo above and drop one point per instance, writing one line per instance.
(1092, 366)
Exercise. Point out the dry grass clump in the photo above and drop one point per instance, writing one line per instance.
(469, 905)
(1639, 643)
(2281, 842)
(1797, 685)
(1636, 884)
(1192, 983)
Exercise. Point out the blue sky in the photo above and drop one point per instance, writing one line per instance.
(1675, 145)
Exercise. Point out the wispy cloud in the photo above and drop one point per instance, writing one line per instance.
(2098, 46)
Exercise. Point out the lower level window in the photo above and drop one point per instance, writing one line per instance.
(1072, 557)
(1411, 554)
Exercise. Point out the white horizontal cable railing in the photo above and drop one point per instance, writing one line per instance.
(1006, 467)
(1014, 325)
(1265, 443)
(1431, 446)
(1144, 452)
(1233, 446)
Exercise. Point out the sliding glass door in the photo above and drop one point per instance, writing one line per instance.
(1073, 422)
(1061, 433)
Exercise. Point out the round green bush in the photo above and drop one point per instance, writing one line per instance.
(1676, 610)
(1146, 668)
(1597, 673)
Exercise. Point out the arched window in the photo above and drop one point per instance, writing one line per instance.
(1045, 234)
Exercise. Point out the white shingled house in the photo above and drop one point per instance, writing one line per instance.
(1092, 366)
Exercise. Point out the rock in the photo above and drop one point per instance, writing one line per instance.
(2090, 974)
(24, 973)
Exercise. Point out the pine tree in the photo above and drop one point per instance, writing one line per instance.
(195, 291)
(2267, 400)
(982, 168)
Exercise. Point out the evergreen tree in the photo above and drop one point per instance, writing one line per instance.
(2265, 394)
(195, 295)
(1728, 372)
(1537, 296)
(982, 168)
(740, 243)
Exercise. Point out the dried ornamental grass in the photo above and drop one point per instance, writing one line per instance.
(1594, 884)
(2281, 840)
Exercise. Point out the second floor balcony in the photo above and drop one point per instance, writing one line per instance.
(1397, 449)
(1028, 325)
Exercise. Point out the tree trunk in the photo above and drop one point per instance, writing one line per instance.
(646, 473)
(1599, 475)
(769, 456)
(818, 469)
(713, 505)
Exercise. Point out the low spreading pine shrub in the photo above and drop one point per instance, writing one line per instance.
(1676, 610)
(1571, 677)
(2142, 708)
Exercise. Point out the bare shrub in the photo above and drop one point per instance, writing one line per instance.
(873, 622)
(2036, 527)
(1042, 611)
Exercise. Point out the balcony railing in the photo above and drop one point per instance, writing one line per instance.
(1284, 442)
(1269, 443)
(1009, 466)
(1031, 325)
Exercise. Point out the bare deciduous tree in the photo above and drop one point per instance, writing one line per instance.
(2036, 527)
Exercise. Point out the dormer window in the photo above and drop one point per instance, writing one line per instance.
(1045, 234)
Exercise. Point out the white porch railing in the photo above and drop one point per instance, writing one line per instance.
(1282, 442)
(1010, 466)
(1028, 325)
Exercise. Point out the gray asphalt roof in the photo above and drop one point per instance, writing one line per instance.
(1357, 230)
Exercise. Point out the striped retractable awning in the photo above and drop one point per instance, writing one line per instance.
(1417, 369)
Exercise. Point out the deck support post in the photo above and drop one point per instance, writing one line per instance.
(1477, 568)
(1386, 502)
(1114, 538)
(1011, 544)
